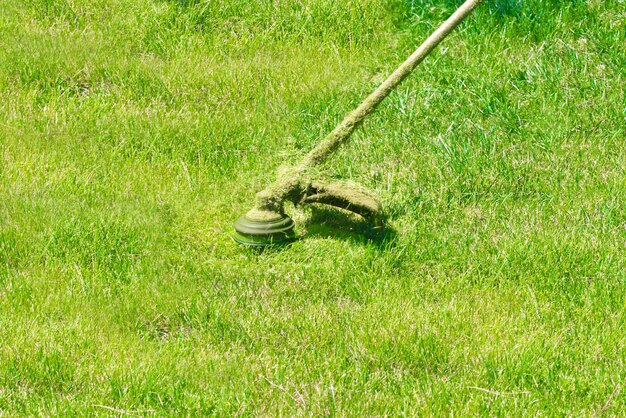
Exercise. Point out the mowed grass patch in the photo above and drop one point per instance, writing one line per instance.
(133, 134)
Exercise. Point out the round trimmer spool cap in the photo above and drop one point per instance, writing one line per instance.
(257, 233)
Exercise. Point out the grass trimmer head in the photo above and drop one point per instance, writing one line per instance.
(267, 229)
(268, 224)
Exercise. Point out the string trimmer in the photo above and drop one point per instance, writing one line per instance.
(267, 223)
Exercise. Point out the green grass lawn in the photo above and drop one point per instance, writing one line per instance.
(133, 134)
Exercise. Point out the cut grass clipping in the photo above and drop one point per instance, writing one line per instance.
(133, 132)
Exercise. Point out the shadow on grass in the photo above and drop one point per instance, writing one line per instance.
(337, 224)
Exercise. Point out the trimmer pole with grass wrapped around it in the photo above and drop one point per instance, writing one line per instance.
(267, 223)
